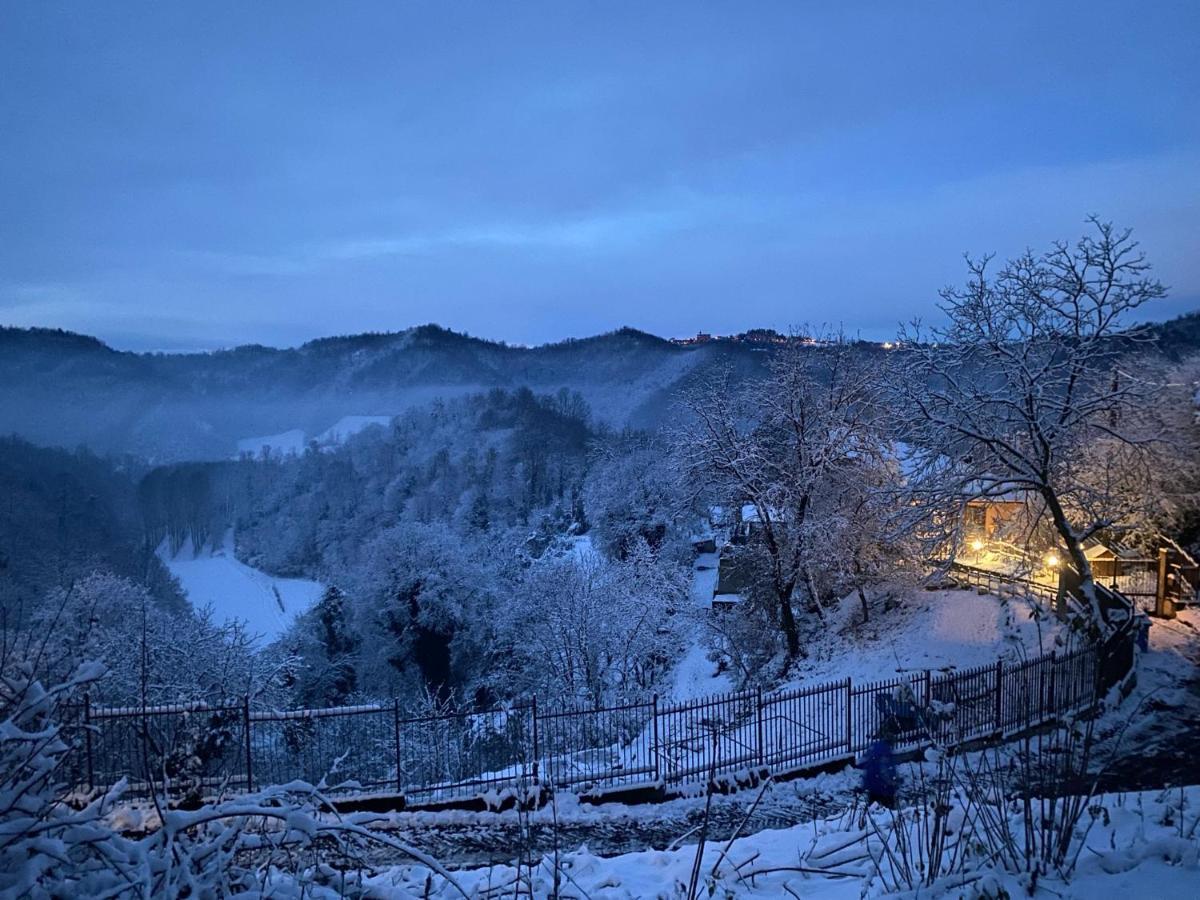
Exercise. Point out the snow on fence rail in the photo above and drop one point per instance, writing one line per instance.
(208, 750)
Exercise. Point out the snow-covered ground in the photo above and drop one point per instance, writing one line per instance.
(583, 550)
(348, 426)
(696, 675)
(293, 442)
(287, 443)
(1141, 845)
(1152, 739)
(704, 579)
(233, 590)
(937, 630)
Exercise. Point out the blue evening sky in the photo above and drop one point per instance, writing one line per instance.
(194, 175)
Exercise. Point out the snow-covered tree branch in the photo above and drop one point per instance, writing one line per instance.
(1025, 389)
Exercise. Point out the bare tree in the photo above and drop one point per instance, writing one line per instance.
(1024, 382)
(778, 445)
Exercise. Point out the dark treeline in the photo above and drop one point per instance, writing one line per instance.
(66, 514)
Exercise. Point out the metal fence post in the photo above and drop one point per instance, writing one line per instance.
(654, 748)
(1041, 710)
(87, 739)
(536, 746)
(396, 731)
(849, 717)
(931, 722)
(759, 703)
(249, 752)
(1052, 701)
(999, 695)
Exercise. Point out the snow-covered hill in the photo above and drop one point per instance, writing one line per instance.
(213, 577)
(293, 441)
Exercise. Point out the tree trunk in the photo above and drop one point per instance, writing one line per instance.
(1079, 559)
(862, 595)
(787, 621)
(811, 583)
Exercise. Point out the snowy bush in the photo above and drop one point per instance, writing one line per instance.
(149, 651)
(284, 841)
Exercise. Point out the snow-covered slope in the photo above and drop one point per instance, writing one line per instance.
(347, 426)
(287, 443)
(293, 442)
(233, 590)
(927, 630)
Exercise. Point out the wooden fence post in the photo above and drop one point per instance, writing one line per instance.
(249, 752)
(1163, 607)
(396, 734)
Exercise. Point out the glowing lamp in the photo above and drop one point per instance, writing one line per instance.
(977, 545)
(1052, 560)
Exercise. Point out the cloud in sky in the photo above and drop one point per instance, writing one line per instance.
(226, 172)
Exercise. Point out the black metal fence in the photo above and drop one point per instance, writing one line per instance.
(209, 750)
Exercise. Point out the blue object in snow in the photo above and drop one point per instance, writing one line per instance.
(879, 772)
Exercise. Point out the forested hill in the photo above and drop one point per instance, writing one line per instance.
(64, 515)
(65, 389)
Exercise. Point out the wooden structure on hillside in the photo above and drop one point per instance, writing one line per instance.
(990, 518)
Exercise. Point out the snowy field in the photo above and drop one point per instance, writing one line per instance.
(233, 590)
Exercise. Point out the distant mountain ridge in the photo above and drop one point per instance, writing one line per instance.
(61, 388)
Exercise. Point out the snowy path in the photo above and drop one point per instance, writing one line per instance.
(695, 675)
(1155, 734)
(236, 591)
